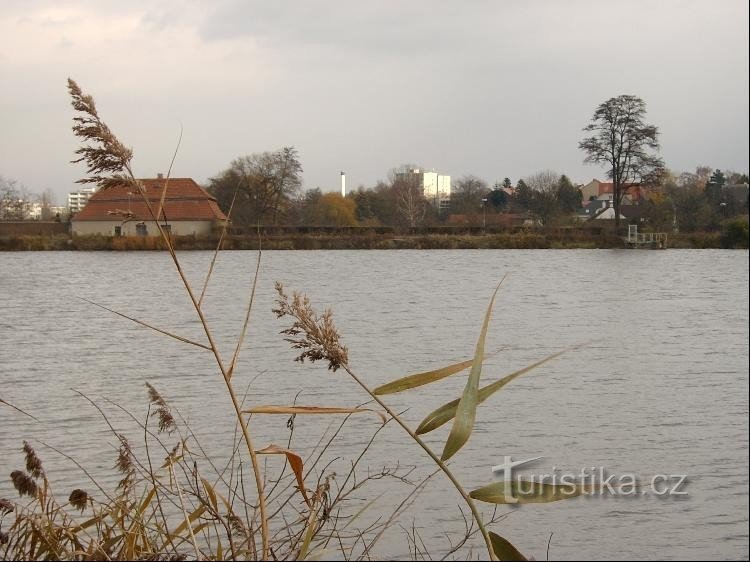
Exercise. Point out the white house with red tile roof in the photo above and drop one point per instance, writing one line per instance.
(121, 211)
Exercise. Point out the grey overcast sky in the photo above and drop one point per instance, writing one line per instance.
(491, 88)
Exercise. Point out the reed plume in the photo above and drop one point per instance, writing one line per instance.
(106, 158)
(33, 462)
(315, 335)
(78, 499)
(125, 464)
(163, 413)
(23, 483)
(6, 506)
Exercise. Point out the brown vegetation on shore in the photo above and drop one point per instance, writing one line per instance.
(529, 239)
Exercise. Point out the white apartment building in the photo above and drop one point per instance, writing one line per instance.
(77, 199)
(37, 212)
(435, 187)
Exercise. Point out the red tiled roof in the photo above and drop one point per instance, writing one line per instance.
(185, 200)
(609, 187)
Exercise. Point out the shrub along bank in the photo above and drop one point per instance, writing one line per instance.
(732, 236)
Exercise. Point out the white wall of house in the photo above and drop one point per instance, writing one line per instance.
(130, 228)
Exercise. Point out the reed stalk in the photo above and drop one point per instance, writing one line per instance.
(113, 158)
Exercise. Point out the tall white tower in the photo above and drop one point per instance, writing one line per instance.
(343, 184)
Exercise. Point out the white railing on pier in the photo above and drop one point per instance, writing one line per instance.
(653, 239)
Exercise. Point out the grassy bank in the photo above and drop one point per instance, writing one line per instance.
(533, 239)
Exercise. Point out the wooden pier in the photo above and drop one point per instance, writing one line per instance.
(647, 240)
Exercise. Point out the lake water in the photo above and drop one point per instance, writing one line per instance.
(660, 386)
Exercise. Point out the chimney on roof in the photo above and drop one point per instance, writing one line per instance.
(159, 176)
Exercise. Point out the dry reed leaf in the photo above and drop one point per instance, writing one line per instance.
(295, 461)
(211, 495)
(273, 409)
(146, 325)
(191, 518)
(420, 379)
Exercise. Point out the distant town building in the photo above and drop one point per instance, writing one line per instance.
(596, 189)
(77, 199)
(38, 211)
(35, 211)
(436, 187)
(59, 212)
(117, 211)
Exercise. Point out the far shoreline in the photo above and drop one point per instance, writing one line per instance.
(528, 239)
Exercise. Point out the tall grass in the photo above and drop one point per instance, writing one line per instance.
(174, 501)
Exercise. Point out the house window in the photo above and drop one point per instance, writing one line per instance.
(118, 231)
(140, 229)
(167, 228)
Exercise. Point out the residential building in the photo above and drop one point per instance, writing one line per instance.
(35, 211)
(59, 212)
(77, 199)
(39, 211)
(435, 187)
(120, 211)
(600, 208)
(595, 189)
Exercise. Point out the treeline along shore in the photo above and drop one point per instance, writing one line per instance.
(55, 236)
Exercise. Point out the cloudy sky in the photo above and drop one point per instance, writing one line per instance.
(491, 88)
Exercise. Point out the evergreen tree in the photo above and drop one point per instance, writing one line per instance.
(568, 195)
(524, 195)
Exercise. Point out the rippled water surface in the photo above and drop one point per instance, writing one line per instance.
(660, 385)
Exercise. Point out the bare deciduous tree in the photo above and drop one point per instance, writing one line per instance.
(14, 201)
(543, 198)
(411, 204)
(621, 139)
(46, 200)
(468, 193)
(266, 183)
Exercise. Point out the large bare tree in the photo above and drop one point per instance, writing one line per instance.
(266, 184)
(468, 195)
(542, 200)
(408, 194)
(14, 200)
(621, 139)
